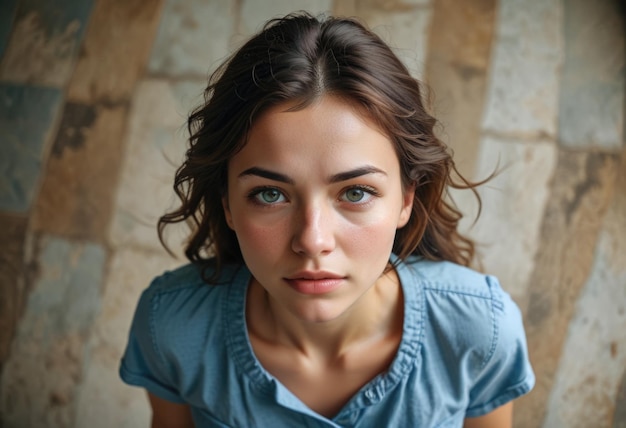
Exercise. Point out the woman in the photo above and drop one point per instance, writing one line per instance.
(328, 284)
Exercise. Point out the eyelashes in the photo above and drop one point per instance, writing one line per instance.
(270, 196)
(358, 194)
(266, 196)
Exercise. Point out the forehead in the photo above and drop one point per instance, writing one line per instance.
(327, 135)
(329, 117)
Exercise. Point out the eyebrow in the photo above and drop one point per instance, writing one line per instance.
(266, 173)
(335, 178)
(354, 173)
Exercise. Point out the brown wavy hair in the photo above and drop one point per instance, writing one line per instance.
(301, 58)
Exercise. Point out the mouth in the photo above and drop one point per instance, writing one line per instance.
(315, 283)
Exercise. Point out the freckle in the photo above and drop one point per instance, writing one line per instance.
(613, 349)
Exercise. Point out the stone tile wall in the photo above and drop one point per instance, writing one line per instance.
(93, 100)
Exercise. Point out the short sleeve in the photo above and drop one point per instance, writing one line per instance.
(507, 374)
(143, 363)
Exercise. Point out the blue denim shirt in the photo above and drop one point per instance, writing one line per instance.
(463, 353)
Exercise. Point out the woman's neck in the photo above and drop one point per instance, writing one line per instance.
(374, 317)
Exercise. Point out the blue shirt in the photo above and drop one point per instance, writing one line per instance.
(462, 354)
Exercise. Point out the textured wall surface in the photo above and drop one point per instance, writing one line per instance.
(93, 100)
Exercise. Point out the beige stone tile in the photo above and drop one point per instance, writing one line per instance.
(344, 7)
(157, 141)
(526, 60)
(456, 73)
(115, 50)
(405, 30)
(104, 400)
(513, 206)
(462, 34)
(77, 192)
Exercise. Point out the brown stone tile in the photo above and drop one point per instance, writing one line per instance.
(77, 192)
(115, 50)
(619, 414)
(456, 70)
(12, 281)
(581, 191)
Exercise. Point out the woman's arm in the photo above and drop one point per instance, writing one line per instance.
(166, 414)
(502, 417)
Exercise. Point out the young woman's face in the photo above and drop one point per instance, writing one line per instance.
(315, 198)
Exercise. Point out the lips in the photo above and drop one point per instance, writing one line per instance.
(315, 282)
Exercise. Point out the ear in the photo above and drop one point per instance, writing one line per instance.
(227, 214)
(407, 206)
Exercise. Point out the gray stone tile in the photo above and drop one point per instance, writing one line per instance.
(591, 109)
(102, 393)
(27, 117)
(7, 13)
(192, 37)
(47, 356)
(522, 98)
(44, 41)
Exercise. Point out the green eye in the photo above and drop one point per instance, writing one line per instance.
(355, 195)
(358, 194)
(269, 196)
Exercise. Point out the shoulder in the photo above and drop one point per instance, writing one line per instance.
(177, 286)
(447, 277)
(466, 309)
(473, 331)
(178, 317)
(179, 296)
(179, 310)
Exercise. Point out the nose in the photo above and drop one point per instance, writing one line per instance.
(314, 231)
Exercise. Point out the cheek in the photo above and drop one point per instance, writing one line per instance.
(370, 239)
(259, 239)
